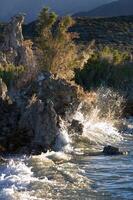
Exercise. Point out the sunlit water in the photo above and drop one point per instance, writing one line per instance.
(61, 176)
(72, 174)
(84, 177)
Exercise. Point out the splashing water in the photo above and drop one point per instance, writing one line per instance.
(14, 180)
(38, 178)
(63, 140)
(97, 130)
(98, 124)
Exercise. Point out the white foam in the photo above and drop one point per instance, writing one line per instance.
(63, 140)
(15, 179)
(58, 156)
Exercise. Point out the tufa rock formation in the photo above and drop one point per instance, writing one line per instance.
(13, 33)
(31, 122)
(15, 50)
(40, 122)
(3, 90)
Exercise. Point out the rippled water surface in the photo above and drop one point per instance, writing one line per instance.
(84, 177)
(111, 175)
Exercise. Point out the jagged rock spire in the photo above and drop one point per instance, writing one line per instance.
(13, 33)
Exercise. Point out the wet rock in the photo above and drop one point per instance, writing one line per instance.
(110, 151)
(31, 123)
(77, 127)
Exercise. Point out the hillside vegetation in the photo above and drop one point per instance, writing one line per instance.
(115, 31)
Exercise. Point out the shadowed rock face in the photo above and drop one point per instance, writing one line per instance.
(9, 115)
(41, 115)
(41, 119)
(30, 123)
(3, 90)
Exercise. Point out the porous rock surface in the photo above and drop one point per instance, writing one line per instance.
(30, 121)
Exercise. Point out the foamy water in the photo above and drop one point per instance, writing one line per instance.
(38, 177)
(17, 180)
(46, 175)
(58, 176)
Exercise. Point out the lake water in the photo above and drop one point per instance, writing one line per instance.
(82, 178)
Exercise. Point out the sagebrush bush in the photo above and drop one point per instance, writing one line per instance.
(113, 55)
(56, 43)
(59, 52)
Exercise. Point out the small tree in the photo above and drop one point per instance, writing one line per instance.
(58, 49)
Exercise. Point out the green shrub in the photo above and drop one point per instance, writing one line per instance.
(9, 72)
(59, 52)
(113, 56)
(106, 68)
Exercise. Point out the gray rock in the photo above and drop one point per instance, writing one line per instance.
(40, 118)
(17, 51)
(13, 33)
(3, 89)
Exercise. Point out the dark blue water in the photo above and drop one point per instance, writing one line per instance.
(82, 178)
(112, 175)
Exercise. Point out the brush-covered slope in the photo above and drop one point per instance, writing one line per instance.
(116, 8)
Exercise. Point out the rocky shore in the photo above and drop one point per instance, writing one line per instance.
(33, 107)
(31, 116)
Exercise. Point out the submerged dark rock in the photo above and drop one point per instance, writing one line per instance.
(110, 151)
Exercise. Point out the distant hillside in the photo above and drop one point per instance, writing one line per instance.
(115, 31)
(117, 8)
